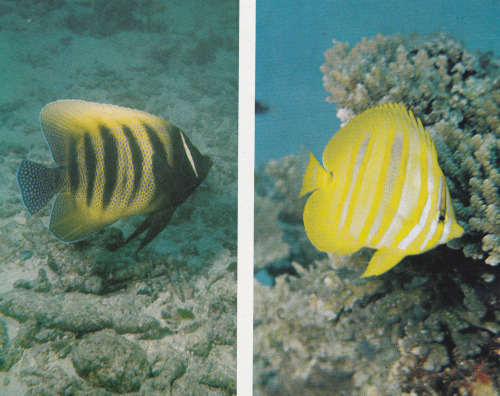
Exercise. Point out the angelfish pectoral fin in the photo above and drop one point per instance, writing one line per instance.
(154, 223)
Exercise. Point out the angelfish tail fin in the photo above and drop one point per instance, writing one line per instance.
(314, 177)
(38, 184)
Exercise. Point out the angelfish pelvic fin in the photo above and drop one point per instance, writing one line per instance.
(154, 223)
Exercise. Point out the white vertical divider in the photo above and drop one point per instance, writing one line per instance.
(246, 159)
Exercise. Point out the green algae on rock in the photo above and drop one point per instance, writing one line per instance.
(4, 341)
(456, 95)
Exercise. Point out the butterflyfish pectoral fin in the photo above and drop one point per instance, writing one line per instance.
(383, 260)
(322, 228)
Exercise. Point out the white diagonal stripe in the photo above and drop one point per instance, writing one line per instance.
(188, 153)
(355, 172)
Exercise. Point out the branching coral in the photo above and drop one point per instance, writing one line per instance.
(456, 95)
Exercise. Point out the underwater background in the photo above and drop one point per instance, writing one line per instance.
(431, 325)
(291, 41)
(88, 317)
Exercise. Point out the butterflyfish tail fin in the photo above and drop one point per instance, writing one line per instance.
(383, 260)
(38, 184)
(315, 176)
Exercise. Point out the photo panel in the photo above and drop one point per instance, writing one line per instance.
(118, 197)
(376, 198)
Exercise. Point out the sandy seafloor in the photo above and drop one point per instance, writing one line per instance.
(161, 323)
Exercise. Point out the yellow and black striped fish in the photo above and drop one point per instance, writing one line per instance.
(381, 187)
(112, 162)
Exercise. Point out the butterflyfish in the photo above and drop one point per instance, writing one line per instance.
(380, 187)
(112, 162)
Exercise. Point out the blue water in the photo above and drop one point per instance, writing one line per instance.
(292, 36)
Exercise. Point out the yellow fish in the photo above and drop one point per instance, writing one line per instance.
(381, 187)
(112, 162)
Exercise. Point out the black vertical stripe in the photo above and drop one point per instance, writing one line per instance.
(159, 158)
(110, 162)
(443, 203)
(136, 154)
(156, 142)
(90, 166)
(74, 175)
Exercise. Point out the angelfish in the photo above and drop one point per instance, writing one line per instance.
(381, 187)
(112, 162)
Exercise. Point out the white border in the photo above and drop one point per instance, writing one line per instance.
(246, 159)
